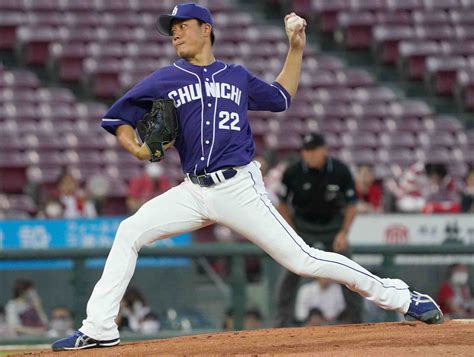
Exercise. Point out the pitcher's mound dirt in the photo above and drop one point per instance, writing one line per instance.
(453, 338)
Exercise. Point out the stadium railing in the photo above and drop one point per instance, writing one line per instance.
(236, 253)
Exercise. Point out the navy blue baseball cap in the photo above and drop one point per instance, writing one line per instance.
(183, 12)
(313, 141)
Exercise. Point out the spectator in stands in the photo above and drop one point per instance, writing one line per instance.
(467, 202)
(369, 191)
(133, 310)
(253, 320)
(52, 208)
(150, 325)
(5, 330)
(315, 318)
(274, 175)
(442, 195)
(72, 198)
(228, 320)
(24, 313)
(322, 294)
(151, 183)
(455, 297)
(409, 188)
(98, 187)
(61, 323)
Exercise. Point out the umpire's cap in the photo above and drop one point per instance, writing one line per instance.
(313, 141)
(183, 12)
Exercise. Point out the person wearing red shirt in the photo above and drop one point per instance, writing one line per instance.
(455, 298)
(144, 187)
(369, 192)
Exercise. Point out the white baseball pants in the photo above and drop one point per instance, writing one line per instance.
(240, 203)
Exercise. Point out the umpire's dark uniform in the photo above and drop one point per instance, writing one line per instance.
(317, 196)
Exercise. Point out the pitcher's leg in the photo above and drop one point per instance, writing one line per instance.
(173, 212)
(246, 209)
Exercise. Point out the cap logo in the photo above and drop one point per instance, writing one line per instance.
(175, 10)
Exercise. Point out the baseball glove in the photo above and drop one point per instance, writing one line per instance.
(159, 127)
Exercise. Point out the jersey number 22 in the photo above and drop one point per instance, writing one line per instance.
(225, 116)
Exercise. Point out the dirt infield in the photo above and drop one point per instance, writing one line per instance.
(388, 339)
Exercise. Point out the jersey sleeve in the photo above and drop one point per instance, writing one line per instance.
(131, 107)
(263, 96)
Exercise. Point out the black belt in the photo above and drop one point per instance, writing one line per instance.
(212, 178)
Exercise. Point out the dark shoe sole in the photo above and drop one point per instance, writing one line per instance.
(101, 344)
(432, 317)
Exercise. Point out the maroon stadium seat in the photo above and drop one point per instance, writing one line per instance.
(465, 87)
(327, 11)
(360, 140)
(398, 156)
(9, 22)
(102, 77)
(18, 79)
(442, 73)
(356, 28)
(34, 43)
(413, 54)
(67, 59)
(357, 156)
(405, 5)
(387, 38)
(398, 139)
(435, 17)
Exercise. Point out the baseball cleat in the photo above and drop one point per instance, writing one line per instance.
(424, 308)
(79, 341)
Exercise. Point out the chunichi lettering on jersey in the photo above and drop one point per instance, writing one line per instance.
(193, 92)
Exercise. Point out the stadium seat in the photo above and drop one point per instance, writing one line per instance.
(9, 22)
(33, 43)
(398, 156)
(102, 77)
(465, 88)
(405, 5)
(386, 40)
(359, 140)
(357, 156)
(442, 73)
(19, 79)
(356, 28)
(398, 139)
(327, 11)
(21, 203)
(413, 54)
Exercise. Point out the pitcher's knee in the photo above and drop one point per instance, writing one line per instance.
(301, 267)
(128, 232)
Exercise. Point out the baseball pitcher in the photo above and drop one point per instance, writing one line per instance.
(209, 127)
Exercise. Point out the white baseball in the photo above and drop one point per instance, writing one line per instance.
(294, 22)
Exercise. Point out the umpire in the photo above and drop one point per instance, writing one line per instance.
(318, 199)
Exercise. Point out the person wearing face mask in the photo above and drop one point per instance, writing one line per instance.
(145, 186)
(150, 324)
(467, 201)
(24, 313)
(61, 322)
(455, 297)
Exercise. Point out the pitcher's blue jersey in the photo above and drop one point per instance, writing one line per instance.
(212, 103)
